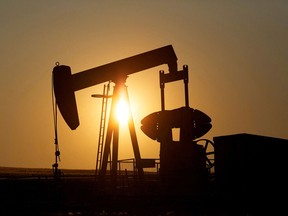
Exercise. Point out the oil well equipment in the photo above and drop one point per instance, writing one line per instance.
(246, 167)
(185, 159)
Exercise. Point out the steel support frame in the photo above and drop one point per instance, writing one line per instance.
(113, 133)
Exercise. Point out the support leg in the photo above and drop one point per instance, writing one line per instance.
(134, 140)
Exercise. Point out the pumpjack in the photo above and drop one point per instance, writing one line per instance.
(176, 157)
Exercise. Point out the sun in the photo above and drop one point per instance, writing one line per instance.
(122, 111)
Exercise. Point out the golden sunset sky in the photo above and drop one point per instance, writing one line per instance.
(236, 51)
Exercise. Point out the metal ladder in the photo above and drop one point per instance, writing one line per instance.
(102, 127)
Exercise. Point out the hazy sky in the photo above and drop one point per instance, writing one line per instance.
(236, 51)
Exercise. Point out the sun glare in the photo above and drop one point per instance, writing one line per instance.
(122, 111)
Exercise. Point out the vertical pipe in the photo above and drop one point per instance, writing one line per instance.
(186, 80)
(162, 86)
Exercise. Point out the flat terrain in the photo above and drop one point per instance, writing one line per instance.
(14, 172)
(79, 192)
(26, 191)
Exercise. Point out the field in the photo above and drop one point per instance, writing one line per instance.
(79, 192)
(13, 172)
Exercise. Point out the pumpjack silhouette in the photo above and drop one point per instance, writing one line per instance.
(191, 122)
(248, 162)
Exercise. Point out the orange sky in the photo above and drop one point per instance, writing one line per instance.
(236, 51)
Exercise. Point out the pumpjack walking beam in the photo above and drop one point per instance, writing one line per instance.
(66, 84)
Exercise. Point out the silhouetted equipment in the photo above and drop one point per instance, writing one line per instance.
(251, 171)
(101, 137)
(55, 168)
(194, 121)
(113, 132)
(66, 83)
(208, 146)
(183, 162)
